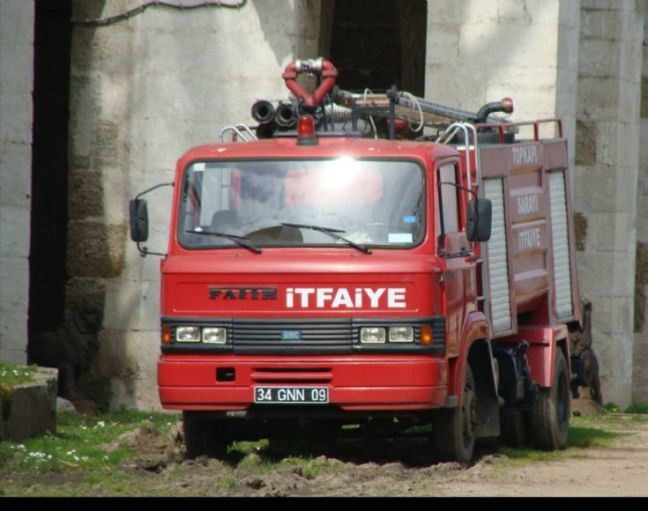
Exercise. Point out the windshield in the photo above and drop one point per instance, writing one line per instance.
(365, 203)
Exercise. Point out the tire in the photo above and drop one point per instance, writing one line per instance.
(453, 430)
(513, 427)
(203, 437)
(550, 410)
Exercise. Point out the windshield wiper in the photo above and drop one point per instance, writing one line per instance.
(239, 240)
(333, 233)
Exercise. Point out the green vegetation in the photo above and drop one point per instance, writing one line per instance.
(11, 376)
(127, 453)
(79, 447)
(610, 407)
(641, 408)
(584, 432)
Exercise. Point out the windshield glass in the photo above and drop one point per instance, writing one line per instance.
(370, 203)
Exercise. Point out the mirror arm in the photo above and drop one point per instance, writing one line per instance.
(160, 185)
(144, 251)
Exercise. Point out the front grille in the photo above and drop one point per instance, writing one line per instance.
(312, 333)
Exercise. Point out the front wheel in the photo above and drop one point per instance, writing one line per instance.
(551, 409)
(453, 430)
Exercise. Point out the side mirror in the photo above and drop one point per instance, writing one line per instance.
(479, 216)
(138, 220)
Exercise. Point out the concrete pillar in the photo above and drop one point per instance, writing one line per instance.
(143, 91)
(640, 359)
(605, 184)
(16, 84)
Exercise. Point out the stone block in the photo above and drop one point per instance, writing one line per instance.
(597, 189)
(14, 231)
(16, 334)
(134, 304)
(598, 59)
(586, 142)
(95, 249)
(607, 6)
(16, 67)
(15, 174)
(600, 264)
(116, 90)
(597, 98)
(85, 98)
(117, 193)
(608, 232)
(32, 407)
(129, 360)
(443, 84)
(600, 25)
(523, 46)
(14, 287)
(442, 44)
(86, 194)
(569, 14)
(510, 12)
(442, 12)
(622, 325)
(16, 115)
(640, 364)
(17, 23)
(108, 144)
(81, 290)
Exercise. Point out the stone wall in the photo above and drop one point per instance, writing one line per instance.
(605, 184)
(483, 50)
(640, 358)
(143, 91)
(16, 82)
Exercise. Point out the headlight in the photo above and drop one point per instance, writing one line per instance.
(372, 334)
(187, 334)
(401, 334)
(214, 335)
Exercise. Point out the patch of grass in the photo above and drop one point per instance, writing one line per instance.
(584, 432)
(582, 436)
(641, 408)
(611, 407)
(11, 376)
(228, 482)
(77, 448)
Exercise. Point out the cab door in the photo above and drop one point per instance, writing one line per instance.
(454, 251)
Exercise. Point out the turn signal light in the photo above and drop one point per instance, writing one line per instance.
(167, 337)
(426, 335)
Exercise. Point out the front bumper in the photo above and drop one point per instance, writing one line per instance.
(355, 383)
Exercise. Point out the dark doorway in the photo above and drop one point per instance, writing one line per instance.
(376, 43)
(52, 36)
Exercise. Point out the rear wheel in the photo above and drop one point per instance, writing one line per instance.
(204, 436)
(453, 431)
(551, 408)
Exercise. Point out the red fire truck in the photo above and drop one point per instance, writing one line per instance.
(371, 259)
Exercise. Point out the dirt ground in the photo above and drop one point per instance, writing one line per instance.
(618, 467)
(398, 468)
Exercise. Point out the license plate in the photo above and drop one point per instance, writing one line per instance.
(291, 395)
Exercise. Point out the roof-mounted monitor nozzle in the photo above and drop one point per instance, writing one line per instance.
(324, 68)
